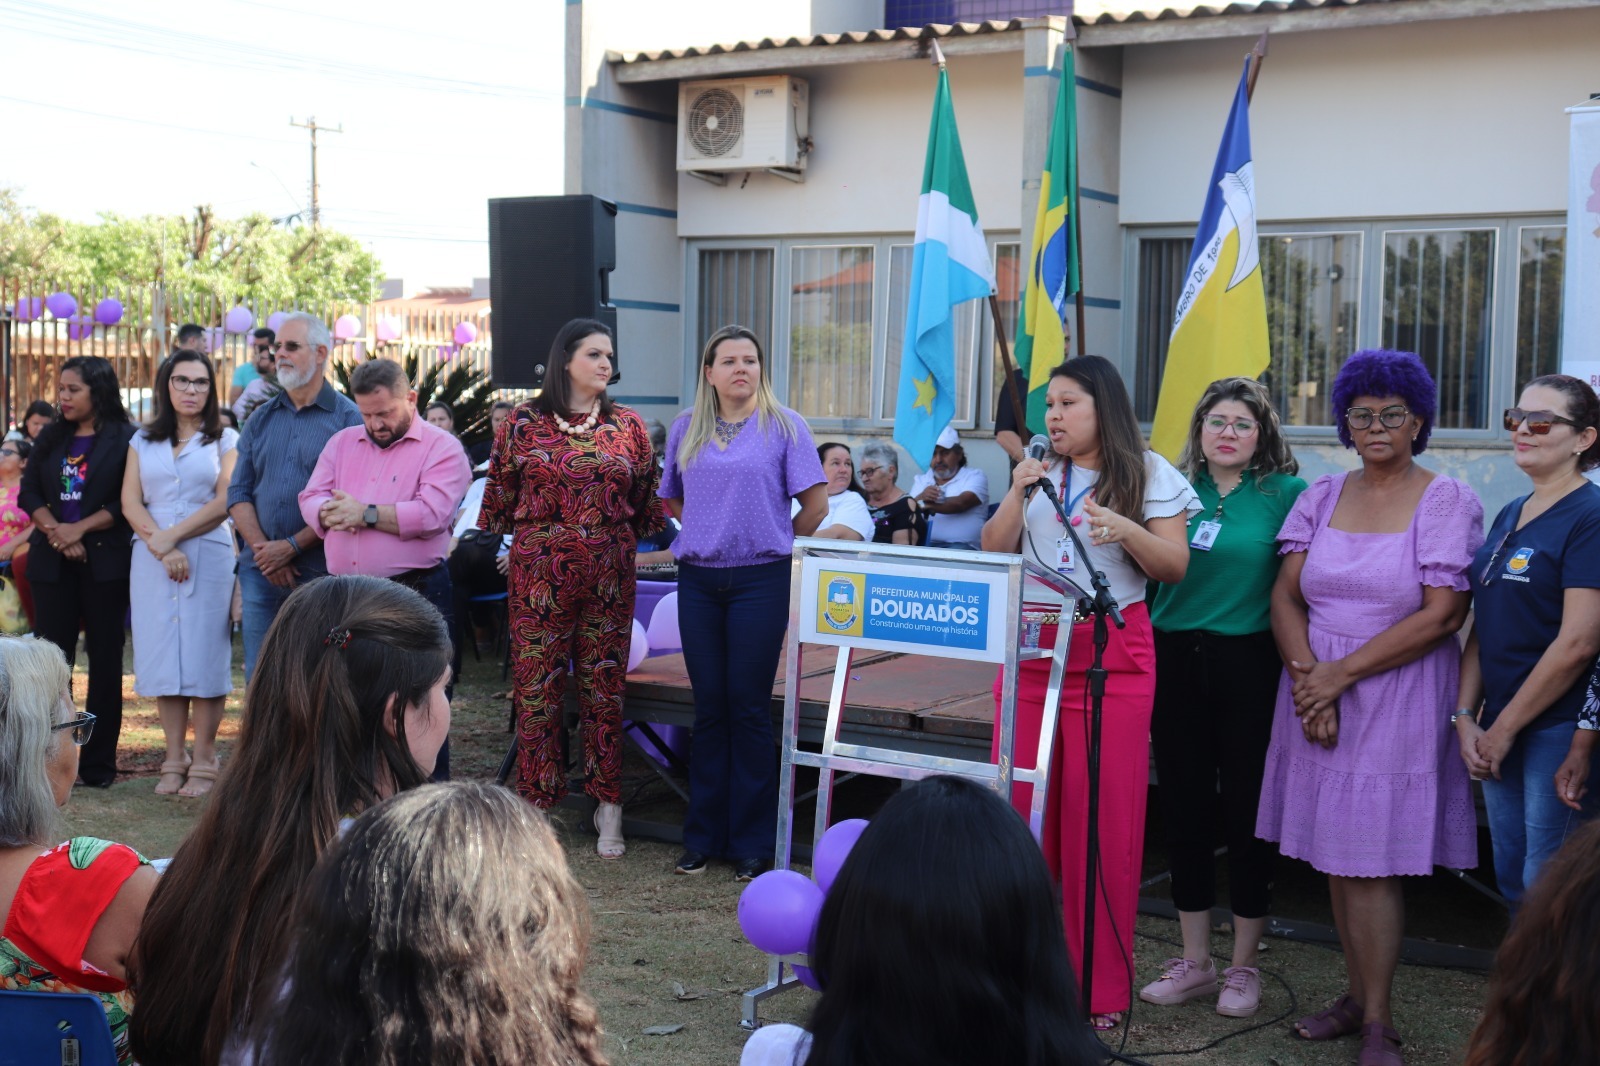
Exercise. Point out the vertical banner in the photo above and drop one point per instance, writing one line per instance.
(1580, 317)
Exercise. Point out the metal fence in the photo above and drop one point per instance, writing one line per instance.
(34, 342)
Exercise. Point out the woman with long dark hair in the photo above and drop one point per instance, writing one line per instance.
(1536, 632)
(1217, 670)
(79, 553)
(1540, 1009)
(573, 481)
(175, 496)
(939, 944)
(736, 462)
(848, 517)
(346, 707)
(1132, 510)
(376, 971)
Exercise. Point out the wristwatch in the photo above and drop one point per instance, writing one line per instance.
(1464, 712)
(371, 515)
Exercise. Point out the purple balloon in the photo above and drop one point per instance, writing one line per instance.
(80, 329)
(108, 312)
(61, 304)
(29, 308)
(346, 327)
(836, 844)
(388, 329)
(465, 333)
(275, 320)
(778, 911)
(804, 975)
(239, 319)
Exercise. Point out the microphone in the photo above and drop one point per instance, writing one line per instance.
(1038, 448)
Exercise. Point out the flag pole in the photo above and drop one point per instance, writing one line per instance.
(1258, 56)
(936, 54)
(1077, 222)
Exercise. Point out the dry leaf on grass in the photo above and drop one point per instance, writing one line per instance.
(681, 993)
(662, 1030)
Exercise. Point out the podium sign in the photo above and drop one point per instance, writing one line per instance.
(916, 610)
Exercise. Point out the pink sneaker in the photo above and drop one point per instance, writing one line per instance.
(1182, 981)
(1241, 992)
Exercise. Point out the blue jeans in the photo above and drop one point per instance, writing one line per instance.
(1527, 821)
(262, 600)
(733, 620)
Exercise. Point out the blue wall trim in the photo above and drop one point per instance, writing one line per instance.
(1102, 303)
(1083, 83)
(635, 401)
(645, 305)
(1094, 194)
(646, 209)
(621, 109)
(1099, 87)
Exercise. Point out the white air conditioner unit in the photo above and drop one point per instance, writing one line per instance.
(743, 124)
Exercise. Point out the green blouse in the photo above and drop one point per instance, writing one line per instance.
(1228, 589)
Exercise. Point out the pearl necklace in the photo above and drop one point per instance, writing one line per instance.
(582, 427)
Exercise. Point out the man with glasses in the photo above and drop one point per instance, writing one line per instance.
(258, 366)
(278, 449)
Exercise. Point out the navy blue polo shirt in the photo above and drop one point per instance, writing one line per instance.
(1519, 577)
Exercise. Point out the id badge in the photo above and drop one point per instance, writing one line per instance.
(1205, 535)
(1064, 557)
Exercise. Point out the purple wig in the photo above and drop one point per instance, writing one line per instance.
(1376, 372)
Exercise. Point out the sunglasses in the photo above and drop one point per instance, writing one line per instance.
(82, 728)
(1538, 421)
(290, 346)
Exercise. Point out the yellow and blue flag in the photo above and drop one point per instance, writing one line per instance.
(1054, 273)
(1220, 327)
(949, 265)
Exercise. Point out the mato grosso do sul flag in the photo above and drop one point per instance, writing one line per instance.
(949, 265)
(1220, 327)
(1054, 273)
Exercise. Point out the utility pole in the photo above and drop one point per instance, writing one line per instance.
(311, 124)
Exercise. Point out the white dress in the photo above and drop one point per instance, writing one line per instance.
(182, 641)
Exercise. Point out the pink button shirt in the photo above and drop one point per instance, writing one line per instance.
(424, 475)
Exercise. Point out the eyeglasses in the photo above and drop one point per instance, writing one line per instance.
(289, 346)
(1539, 422)
(1242, 427)
(10, 451)
(82, 728)
(190, 384)
(868, 471)
(1392, 417)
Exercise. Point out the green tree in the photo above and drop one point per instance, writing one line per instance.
(250, 258)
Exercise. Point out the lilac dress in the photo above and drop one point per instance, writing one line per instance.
(1392, 796)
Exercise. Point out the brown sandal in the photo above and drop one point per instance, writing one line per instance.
(1380, 1046)
(207, 775)
(1342, 1019)
(172, 768)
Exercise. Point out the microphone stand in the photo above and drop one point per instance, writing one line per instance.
(1103, 605)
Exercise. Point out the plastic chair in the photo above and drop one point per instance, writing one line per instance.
(54, 1029)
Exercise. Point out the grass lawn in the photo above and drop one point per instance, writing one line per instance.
(667, 950)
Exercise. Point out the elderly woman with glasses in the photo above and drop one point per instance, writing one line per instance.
(897, 517)
(71, 908)
(1524, 729)
(1362, 779)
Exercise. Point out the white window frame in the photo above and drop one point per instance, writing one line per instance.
(1501, 392)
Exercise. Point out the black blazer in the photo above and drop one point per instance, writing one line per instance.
(109, 551)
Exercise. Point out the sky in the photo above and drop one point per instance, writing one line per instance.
(158, 106)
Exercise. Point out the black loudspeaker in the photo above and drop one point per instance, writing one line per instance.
(550, 261)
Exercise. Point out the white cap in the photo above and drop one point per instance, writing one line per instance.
(948, 438)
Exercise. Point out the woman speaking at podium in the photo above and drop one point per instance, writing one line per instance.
(1131, 508)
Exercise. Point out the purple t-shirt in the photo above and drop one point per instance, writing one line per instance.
(736, 501)
(74, 472)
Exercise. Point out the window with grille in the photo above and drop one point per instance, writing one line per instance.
(1438, 301)
(735, 289)
(1541, 256)
(830, 330)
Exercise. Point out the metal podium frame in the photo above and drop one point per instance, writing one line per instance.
(837, 756)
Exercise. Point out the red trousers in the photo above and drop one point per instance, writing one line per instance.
(1130, 662)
